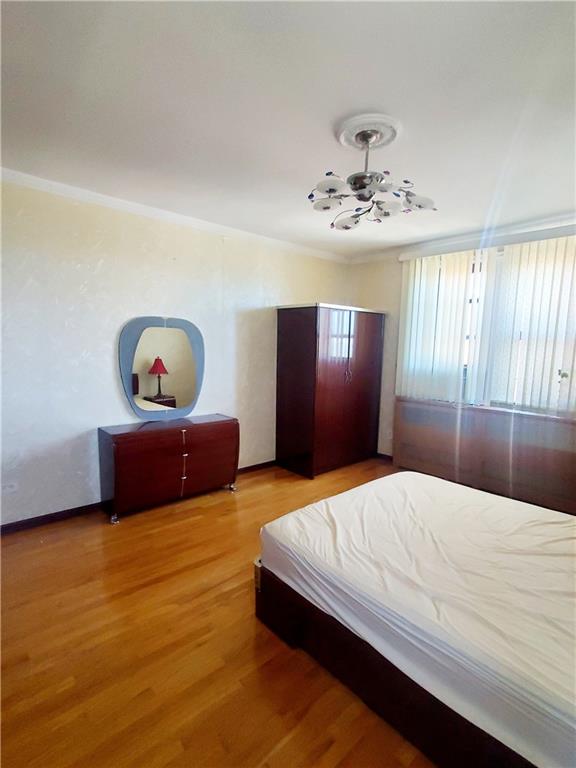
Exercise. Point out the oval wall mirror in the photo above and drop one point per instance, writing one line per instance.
(161, 366)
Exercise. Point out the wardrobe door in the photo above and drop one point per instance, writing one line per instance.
(364, 381)
(332, 414)
(296, 389)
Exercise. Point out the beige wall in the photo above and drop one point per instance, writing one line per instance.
(73, 274)
(378, 284)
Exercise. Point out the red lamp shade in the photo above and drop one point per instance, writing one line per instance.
(158, 367)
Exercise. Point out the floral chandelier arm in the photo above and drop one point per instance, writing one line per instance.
(373, 188)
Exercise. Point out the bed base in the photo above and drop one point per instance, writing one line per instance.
(443, 735)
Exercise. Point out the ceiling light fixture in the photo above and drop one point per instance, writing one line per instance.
(380, 196)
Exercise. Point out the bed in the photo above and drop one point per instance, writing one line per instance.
(448, 610)
(148, 405)
(141, 402)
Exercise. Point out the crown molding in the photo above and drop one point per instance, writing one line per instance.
(392, 253)
(559, 225)
(139, 209)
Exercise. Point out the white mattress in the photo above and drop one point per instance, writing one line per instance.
(469, 594)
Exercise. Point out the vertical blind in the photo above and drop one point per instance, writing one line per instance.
(494, 326)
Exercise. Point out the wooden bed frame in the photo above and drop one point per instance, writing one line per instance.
(438, 731)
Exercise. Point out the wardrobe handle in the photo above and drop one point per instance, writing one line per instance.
(348, 369)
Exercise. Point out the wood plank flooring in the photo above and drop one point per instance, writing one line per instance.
(136, 645)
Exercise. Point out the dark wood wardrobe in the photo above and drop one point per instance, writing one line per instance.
(328, 386)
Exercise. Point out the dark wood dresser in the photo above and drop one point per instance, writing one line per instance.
(151, 463)
(329, 369)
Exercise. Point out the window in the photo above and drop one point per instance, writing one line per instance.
(494, 326)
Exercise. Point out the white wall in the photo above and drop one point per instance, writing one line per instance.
(74, 273)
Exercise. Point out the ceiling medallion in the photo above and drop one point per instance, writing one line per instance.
(379, 195)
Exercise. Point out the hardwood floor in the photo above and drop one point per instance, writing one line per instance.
(136, 644)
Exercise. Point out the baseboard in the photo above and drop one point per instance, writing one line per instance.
(51, 517)
(256, 467)
(267, 464)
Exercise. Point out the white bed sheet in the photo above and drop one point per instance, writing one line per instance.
(469, 594)
(148, 405)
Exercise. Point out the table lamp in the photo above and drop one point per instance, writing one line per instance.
(158, 369)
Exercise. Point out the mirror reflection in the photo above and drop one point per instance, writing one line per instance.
(163, 372)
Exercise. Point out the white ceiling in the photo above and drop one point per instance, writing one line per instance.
(225, 111)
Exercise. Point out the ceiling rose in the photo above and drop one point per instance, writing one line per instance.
(379, 195)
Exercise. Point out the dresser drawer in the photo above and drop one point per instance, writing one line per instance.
(212, 457)
(144, 479)
(152, 464)
(149, 444)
